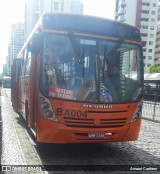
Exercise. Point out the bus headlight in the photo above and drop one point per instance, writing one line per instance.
(138, 112)
(44, 105)
(48, 114)
(47, 109)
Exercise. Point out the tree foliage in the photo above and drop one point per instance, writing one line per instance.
(154, 69)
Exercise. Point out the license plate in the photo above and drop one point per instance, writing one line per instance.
(96, 135)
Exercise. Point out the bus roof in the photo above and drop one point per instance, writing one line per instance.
(84, 24)
(90, 24)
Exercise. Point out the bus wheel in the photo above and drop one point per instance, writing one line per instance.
(27, 113)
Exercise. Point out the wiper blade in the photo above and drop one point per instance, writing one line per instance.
(108, 56)
(76, 49)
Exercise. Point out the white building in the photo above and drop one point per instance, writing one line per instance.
(148, 30)
(55, 6)
(32, 13)
(142, 14)
(157, 44)
(127, 11)
(34, 8)
(15, 45)
(76, 6)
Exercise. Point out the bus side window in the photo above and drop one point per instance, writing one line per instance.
(28, 64)
(23, 70)
(18, 68)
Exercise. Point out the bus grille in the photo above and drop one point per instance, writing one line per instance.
(95, 123)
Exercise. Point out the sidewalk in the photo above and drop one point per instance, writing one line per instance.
(0, 125)
(17, 147)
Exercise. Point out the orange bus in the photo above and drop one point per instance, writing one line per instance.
(72, 80)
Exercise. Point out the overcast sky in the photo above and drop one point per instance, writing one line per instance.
(12, 11)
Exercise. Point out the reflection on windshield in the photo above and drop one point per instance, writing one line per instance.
(102, 75)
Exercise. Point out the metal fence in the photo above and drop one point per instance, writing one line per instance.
(151, 102)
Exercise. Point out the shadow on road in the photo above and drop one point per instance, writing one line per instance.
(125, 153)
(95, 154)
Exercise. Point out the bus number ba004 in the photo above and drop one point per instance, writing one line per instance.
(71, 113)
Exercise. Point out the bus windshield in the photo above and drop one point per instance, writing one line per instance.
(89, 69)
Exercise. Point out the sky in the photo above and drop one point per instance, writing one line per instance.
(12, 11)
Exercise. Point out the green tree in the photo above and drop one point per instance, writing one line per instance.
(158, 68)
(154, 69)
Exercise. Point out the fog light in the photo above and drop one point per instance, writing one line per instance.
(45, 105)
(42, 99)
(48, 114)
(138, 112)
(136, 116)
(139, 109)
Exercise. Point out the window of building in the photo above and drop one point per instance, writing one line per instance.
(158, 33)
(144, 19)
(144, 27)
(149, 57)
(145, 11)
(154, 4)
(152, 20)
(150, 42)
(56, 5)
(151, 27)
(144, 50)
(151, 35)
(123, 5)
(157, 39)
(153, 12)
(144, 34)
(148, 65)
(150, 50)
(145, 4)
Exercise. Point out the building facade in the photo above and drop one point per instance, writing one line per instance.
(34, 8)
(15, 45)
(129, 11)
(157, 44)
(142, 14)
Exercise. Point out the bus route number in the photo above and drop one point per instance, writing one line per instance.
(71, 113)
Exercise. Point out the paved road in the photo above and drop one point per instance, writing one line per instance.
(19, 148)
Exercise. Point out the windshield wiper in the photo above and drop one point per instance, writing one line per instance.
(107, 57)
(76, 48)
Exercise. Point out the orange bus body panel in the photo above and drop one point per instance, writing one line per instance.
(133, 132)
(77, 122)
(14, 88)
(68, 129)
(50, 132)
(32, 93)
